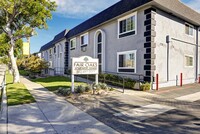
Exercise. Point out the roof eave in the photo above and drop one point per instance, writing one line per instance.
(179, 14)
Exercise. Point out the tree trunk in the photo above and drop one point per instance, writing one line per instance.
(14, 67)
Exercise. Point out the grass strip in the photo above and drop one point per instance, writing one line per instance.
(17, 93)
(52, 83)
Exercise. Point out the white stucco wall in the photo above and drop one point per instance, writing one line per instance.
(113, 44)
(174, 27)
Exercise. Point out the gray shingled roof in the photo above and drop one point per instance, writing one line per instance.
(56, 39)
(117, 9)
(179, 9)
(172, 6)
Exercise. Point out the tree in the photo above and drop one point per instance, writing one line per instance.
(33, 64)
(19, 19)
(4, 46)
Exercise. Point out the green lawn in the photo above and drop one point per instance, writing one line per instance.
(17, 93)
(54, 82)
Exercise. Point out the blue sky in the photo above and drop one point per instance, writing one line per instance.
(70, 13)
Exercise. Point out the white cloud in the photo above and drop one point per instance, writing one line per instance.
(194, 4)
(82, 8)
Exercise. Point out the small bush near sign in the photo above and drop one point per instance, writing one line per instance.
(93, 89)
(64, 91)
(145, 86)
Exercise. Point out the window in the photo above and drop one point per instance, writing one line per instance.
(84, 39)
(73, 43)
(127, 25)
(54, 49)
(50, 53)
(189, 29)
(188, 61)
(127, 61)
(99, 50)
(58, 51)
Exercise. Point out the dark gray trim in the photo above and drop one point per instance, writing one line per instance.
(66, 57)
(127, 34)
(168, 61)
(149, 10)
(126, 70)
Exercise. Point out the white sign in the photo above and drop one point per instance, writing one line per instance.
(85, 65)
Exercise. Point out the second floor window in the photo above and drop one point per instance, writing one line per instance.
(54, 49)
(189, 29)
(127, 25)
(50, 53)
(84, 39)
(73, 43)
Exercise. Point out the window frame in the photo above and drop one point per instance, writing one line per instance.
(185, 61)
(72, 48)
(127, 52)
(190, 26)
(126, 18)
(85, 44)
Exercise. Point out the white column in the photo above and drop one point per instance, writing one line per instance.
(72, 88)
(96, 79)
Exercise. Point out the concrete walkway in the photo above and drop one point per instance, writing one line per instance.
(51, 114)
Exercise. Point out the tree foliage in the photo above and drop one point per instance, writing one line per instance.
(19, 19)
(33, 64)
(4, 46)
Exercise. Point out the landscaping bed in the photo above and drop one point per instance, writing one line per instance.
(17, 93)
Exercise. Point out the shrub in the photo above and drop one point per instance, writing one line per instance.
(111, 89)
(103, 86)
(145, 86)
(88, 88)
(64, 91)
(24, 72)
(32, 76)
(80, 89)
(129, 83)
(96, 87)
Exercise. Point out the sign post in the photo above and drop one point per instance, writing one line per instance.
(72, 83)
(84, 65)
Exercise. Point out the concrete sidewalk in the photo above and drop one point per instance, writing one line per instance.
(51, 114)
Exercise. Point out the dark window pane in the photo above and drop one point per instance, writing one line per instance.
(100, 69)
(82, 40)
(99, 57)
(99, 48)
(120, 26)
(121, 60)
(99, 38)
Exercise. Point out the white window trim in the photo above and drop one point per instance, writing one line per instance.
(125, 17)
(82, 36)
(185, 61)
(125, 52)
(189, 26)
(73, 39)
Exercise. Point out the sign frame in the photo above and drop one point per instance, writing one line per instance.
(84, 65)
